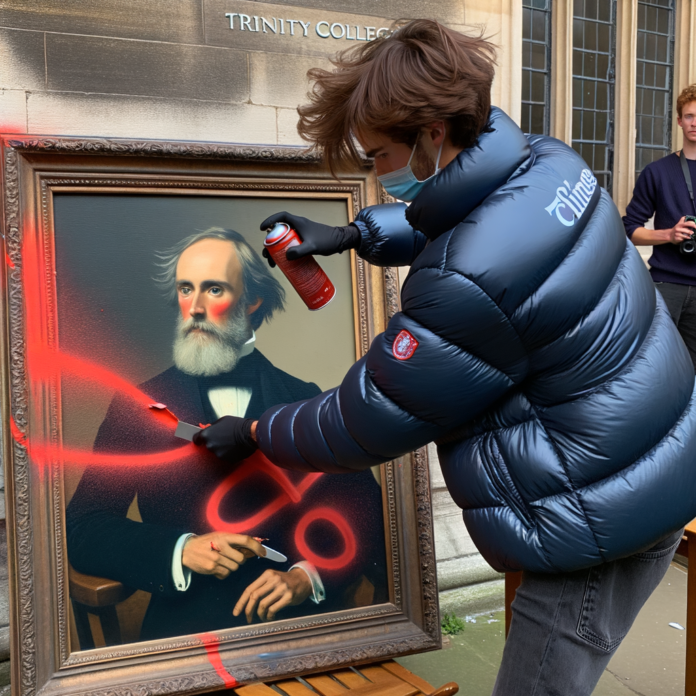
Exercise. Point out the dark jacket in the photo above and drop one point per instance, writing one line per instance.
(661, 191)
(174, 498)
(545, 366)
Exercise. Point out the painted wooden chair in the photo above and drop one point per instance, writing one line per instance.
(99, 597)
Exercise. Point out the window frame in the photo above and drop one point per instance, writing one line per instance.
(666, 147)
(547, 13)
(606, 174)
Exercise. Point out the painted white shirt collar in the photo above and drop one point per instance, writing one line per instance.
(233, 401)
(248, 347)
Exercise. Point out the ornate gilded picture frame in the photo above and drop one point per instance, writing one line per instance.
(96, 502)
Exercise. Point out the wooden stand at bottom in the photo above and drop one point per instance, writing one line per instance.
(380, 679)
(687, 548)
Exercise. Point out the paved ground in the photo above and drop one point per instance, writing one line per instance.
(650, 662)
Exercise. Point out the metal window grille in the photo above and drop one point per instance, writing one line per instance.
(594, 65)
(654, 81)
(536, 66)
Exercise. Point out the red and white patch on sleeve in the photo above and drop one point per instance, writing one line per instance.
(404, 345)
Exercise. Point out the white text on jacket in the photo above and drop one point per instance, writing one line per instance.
(570, 204)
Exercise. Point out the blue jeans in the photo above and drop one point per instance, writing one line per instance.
(565, 628)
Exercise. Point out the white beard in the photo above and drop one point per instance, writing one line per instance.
(213, 349)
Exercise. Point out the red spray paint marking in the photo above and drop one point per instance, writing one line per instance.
(17, 434)
(335, 518)
(49, 363)
(166, 415)
(210, 641)
(45, 454)
(291, 494)
(257, 462)
(9, 261)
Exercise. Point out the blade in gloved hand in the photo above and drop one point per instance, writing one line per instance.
(186, 431)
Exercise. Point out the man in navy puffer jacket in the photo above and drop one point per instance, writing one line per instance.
(530, 347)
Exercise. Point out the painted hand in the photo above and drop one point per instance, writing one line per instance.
(219, 553)
(230, 438)
(273, 591)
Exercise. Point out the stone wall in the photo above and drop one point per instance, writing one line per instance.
(468, 585)
(157, 69)
(187, 70)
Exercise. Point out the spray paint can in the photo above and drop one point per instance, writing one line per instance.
(305, 274)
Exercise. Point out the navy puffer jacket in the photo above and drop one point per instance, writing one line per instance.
(533, 348)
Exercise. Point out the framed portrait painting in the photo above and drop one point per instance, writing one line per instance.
(136, 299)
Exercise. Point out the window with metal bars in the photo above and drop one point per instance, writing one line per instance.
(594, 65)
(654, 81)
(536, 66)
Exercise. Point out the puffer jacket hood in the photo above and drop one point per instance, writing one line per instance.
(474, 175)
(533, 348)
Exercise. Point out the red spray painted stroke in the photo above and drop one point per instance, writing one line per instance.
(210, 641)
(335, 518)
(9, 261)
(46, 364)
(17, 434)
(165, 413)
(40, 320)
(257, 462)
(46, 454)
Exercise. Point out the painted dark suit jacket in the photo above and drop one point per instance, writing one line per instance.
(173, 499)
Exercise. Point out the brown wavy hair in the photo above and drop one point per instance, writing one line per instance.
(687, 95)
(397, 84)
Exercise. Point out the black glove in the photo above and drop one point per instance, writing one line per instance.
(323, 240)
(229, 438)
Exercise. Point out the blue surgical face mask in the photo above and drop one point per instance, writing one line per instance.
(402, 183)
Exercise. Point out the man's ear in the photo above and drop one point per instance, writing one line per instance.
(254, 306)
(437, 130)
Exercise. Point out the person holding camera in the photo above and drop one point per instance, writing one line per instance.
(665, 189)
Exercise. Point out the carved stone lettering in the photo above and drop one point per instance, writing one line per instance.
(286, 29)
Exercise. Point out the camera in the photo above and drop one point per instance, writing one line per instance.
(688, 246)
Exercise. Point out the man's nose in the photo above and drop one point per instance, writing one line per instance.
(197, 306)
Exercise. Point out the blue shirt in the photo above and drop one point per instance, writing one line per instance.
(661, 190)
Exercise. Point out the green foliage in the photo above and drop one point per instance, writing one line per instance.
(452, 625)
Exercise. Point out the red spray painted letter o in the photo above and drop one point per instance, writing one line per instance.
(339, 521)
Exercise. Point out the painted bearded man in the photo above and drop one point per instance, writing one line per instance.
(201, 519)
